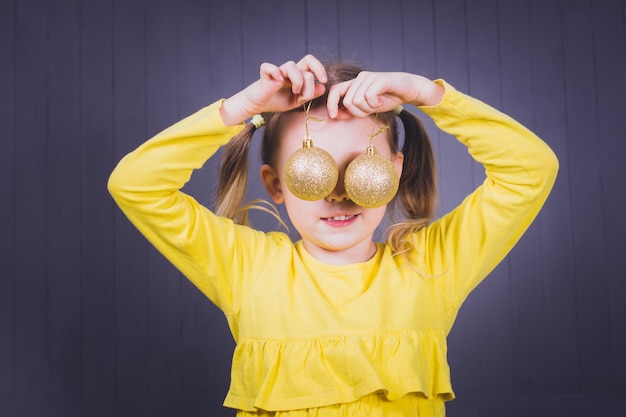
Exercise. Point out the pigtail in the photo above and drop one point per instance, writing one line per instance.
(417, 191)
(233, 177)
(233, 182)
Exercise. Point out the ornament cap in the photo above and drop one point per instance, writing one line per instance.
(371, 150)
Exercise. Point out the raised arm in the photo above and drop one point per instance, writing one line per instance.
(146, 186)
(467, 243)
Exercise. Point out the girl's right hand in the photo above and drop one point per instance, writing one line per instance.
(278, 89)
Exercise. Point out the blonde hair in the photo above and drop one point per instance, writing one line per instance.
(416, 197)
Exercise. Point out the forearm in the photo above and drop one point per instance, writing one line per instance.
(428, 93)
(164, 163)
(512, 155)
(234, 110)
(146, 183)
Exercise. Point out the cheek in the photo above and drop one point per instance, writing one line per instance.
(377, 214)
(297, 209)
(301, 214)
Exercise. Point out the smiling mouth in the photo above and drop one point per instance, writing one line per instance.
(340, 220)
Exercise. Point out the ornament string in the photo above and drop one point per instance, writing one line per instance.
(306, 108)
(371, 135)
(374, 133)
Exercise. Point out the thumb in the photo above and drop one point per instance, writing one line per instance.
(320, 89)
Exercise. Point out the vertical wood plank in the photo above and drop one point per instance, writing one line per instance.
(7, 205)
(131, 275)
(385, 27)
(353, 36)
(549, 114)
(164, 282)
(194, 80)
(64, 196)
(418, 38)
(289, 34)
(281, 40)
(609, 31)
(494, 295)
(322, 29)
(590, 249)
(97, 219)
(259, 23)
(31, 256)
(526, 257)
(226, 60)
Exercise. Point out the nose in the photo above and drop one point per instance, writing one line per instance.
(339, 192)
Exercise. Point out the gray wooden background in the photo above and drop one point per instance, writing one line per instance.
(93, 322)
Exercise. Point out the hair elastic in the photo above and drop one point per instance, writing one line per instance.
(257, 120)
(398, 110)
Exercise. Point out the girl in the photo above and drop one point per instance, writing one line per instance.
(337, 324)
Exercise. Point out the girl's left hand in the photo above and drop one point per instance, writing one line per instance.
(378, 92)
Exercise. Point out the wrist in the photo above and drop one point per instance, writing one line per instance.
(233, 111)
(429, 93)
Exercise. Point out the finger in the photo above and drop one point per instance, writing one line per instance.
(363, 98)
(319, 90)
(271, 71)
(312, 64)
(354, 106)
(380, 94)
(371, 96)
(293, 73)
(354, 98)
(350, 97)
(335, 94)
(308, 86)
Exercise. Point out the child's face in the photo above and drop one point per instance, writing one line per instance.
(334, 229)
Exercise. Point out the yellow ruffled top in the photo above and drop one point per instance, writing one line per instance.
(309, 334)
(317, 335)
(288, 375)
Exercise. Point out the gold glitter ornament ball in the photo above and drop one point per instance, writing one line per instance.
(371, 180)
(311, 173)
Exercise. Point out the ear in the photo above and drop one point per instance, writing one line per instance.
(270, 179)
(397, 161)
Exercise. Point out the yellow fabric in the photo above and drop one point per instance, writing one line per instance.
(320, 340)
(373, 405)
